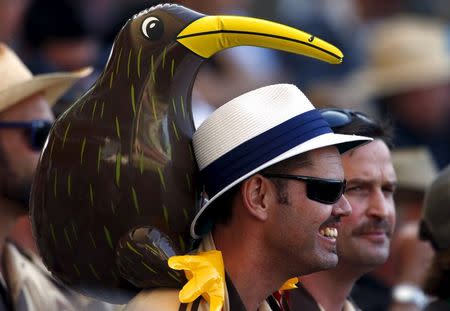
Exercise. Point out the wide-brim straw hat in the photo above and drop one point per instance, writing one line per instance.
(254, 131)
(414, 167)
(18, 83)
(404, 53)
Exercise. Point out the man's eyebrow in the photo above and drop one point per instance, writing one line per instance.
(362, 181)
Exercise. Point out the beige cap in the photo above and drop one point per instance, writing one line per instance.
(415, 168)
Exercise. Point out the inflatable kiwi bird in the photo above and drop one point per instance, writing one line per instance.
(115, 188)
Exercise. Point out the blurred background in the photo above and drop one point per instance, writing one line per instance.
(396, 68)
(396, 64)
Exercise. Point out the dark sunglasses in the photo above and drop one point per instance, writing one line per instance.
(36, 131)
(327, 191)
(337, 118)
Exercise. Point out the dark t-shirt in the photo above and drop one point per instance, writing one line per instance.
(370, 294)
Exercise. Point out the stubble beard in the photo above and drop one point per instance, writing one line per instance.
(13, 188)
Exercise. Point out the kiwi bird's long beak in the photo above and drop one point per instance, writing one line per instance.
(211, 34)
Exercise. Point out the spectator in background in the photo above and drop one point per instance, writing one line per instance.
(409, 257)
(415, 169)
(25, 120)
(435, 228)
(408, 78)
(58, 40)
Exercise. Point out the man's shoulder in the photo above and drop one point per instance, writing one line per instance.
(30, 284)
(155, 299)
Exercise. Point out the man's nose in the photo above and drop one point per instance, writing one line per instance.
(342, 207)
(378, 205)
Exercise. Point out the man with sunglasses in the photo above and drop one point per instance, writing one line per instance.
(271, 172)
(363, 237)
(25, 120)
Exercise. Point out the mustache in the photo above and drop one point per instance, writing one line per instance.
(371, 225)
(332, 220)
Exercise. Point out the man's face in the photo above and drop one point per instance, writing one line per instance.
(303, 229)
(364, 236)
(18, 160)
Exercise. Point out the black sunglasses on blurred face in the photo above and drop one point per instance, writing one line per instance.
(337, 118)
(35, 131)
(327, 191)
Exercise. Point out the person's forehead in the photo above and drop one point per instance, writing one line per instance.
(371, 161)
(324, 162)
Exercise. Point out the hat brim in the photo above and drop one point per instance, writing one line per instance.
(381, 82)
(342, 142)
(52, 85)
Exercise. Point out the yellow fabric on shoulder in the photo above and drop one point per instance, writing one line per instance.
(168, 299)
(206, 275)
(290, 284)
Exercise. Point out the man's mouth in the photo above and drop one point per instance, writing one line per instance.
(329, 232)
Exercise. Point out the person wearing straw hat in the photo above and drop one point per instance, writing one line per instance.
(272, 180)
(405, 78)
(364, 236)
(25, 119)
(408, 77)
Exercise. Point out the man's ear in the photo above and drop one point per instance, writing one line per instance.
(255, 192)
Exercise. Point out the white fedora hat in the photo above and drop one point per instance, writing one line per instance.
(18, 83)
(254, 131)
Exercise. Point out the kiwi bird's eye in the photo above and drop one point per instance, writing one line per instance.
(152, 28)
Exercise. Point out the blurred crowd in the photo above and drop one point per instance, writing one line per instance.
(395, 55)
(396, 68)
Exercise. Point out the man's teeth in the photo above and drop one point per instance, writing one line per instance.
(329, 232)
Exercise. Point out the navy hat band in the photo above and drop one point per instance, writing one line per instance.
(261, 149)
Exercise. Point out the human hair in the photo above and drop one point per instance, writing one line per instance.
(369, 127)
(438, 275)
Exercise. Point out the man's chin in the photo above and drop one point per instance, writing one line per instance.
(374, 258)
(328, 261)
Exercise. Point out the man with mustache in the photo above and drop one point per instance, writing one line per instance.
(364, 236)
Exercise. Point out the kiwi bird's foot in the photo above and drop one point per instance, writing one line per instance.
(142, 256)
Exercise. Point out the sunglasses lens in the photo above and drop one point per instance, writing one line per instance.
(327, 192)
(39, 135)
(336, 118)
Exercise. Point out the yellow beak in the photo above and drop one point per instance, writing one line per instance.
(211, 34)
